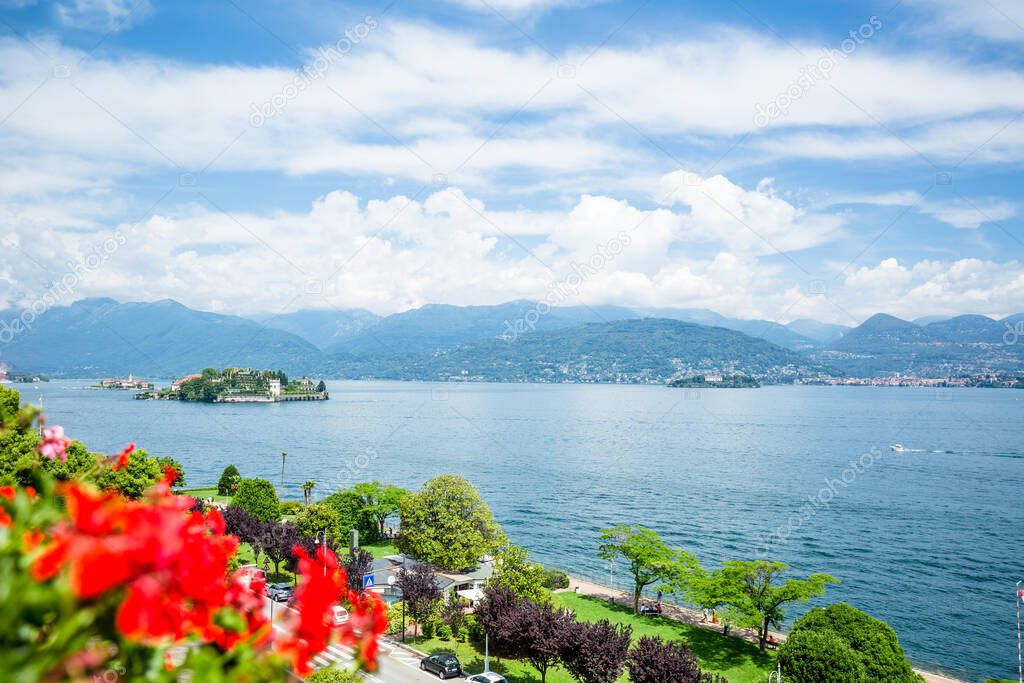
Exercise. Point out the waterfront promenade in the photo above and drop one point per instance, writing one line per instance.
(692, 616)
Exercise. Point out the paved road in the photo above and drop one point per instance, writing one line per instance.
(396, 664)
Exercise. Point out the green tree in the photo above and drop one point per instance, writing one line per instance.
(229, 480)
(380, 501)
(142, 472)
(515, 572)
(307, 490)
(650, 559)
(319, 517)
(18, 439)
(873, 642)
(710, 590)
(755, 593)
(351, 515)
(448, 524)
(259, 498)
(820, 657)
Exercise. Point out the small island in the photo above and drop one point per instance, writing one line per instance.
(715, 382)
(240, 385)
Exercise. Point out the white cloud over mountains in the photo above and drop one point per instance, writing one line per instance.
(399, 253)
(605, 128)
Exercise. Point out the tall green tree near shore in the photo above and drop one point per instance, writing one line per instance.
(229, 480)
(380, 501)
(757, 595)
(259, 498)
(318, 518)
(649, 558)
(516, 572)
(448, 524)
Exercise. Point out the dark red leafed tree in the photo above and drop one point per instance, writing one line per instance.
(499, 614)
(596, 652)
(541, 631)
(358, 563)
(654, 660)
(419, 590)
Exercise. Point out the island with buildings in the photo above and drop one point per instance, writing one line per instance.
(240, 385)
(715, 382)
(129, 383)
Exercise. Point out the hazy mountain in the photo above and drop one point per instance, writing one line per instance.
(436, 327)
(966, 344)
(644, 350)
(967, 328)
(929, 319)
(321, 328)
(822, 333)
(97, 337)
(762, 329)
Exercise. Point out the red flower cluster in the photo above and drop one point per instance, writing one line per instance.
(172, 562)
(324, 585)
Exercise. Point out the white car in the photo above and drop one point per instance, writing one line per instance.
(340, 615)
(487, 677)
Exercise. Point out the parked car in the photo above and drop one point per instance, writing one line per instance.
(340, 615)
(487, 677)
(281, 592)
(444, 665)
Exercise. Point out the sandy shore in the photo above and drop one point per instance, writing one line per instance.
(692, 616)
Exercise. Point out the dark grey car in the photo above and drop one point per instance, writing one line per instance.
(444, 665)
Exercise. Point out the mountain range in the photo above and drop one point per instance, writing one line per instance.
(514, 341)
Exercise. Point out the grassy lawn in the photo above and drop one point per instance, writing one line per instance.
(738, 660)
(204, 493)
(382, 549)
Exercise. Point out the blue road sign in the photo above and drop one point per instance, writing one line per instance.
(367, 581)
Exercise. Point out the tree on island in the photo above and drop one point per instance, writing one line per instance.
(596, 652)
(259, 498)
(650, 559)
(419, 591)
(841, 639)
(447, 524)
(307, 491)
(653, 660)
(762, 601)
(229, 480)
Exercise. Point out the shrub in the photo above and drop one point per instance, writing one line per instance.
(292, 507)
(395, 618)
(444, 632)
(334, 676)
(555, 579)
(229, 481)
(258, 497)
(873, 642)
(820, 657)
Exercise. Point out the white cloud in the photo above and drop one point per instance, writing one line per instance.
(997, 20)
(515, 8)
(103, 15)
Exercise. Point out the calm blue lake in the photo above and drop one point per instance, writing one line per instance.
(929, 540)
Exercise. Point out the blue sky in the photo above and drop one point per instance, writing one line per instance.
(794, 161)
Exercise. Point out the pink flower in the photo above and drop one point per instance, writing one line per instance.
(54, 443)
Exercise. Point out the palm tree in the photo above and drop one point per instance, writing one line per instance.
(307, 491)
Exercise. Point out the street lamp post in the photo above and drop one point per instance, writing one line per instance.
(266, 577)
(321, 537)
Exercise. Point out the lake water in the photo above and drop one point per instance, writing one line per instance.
(930, 540)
